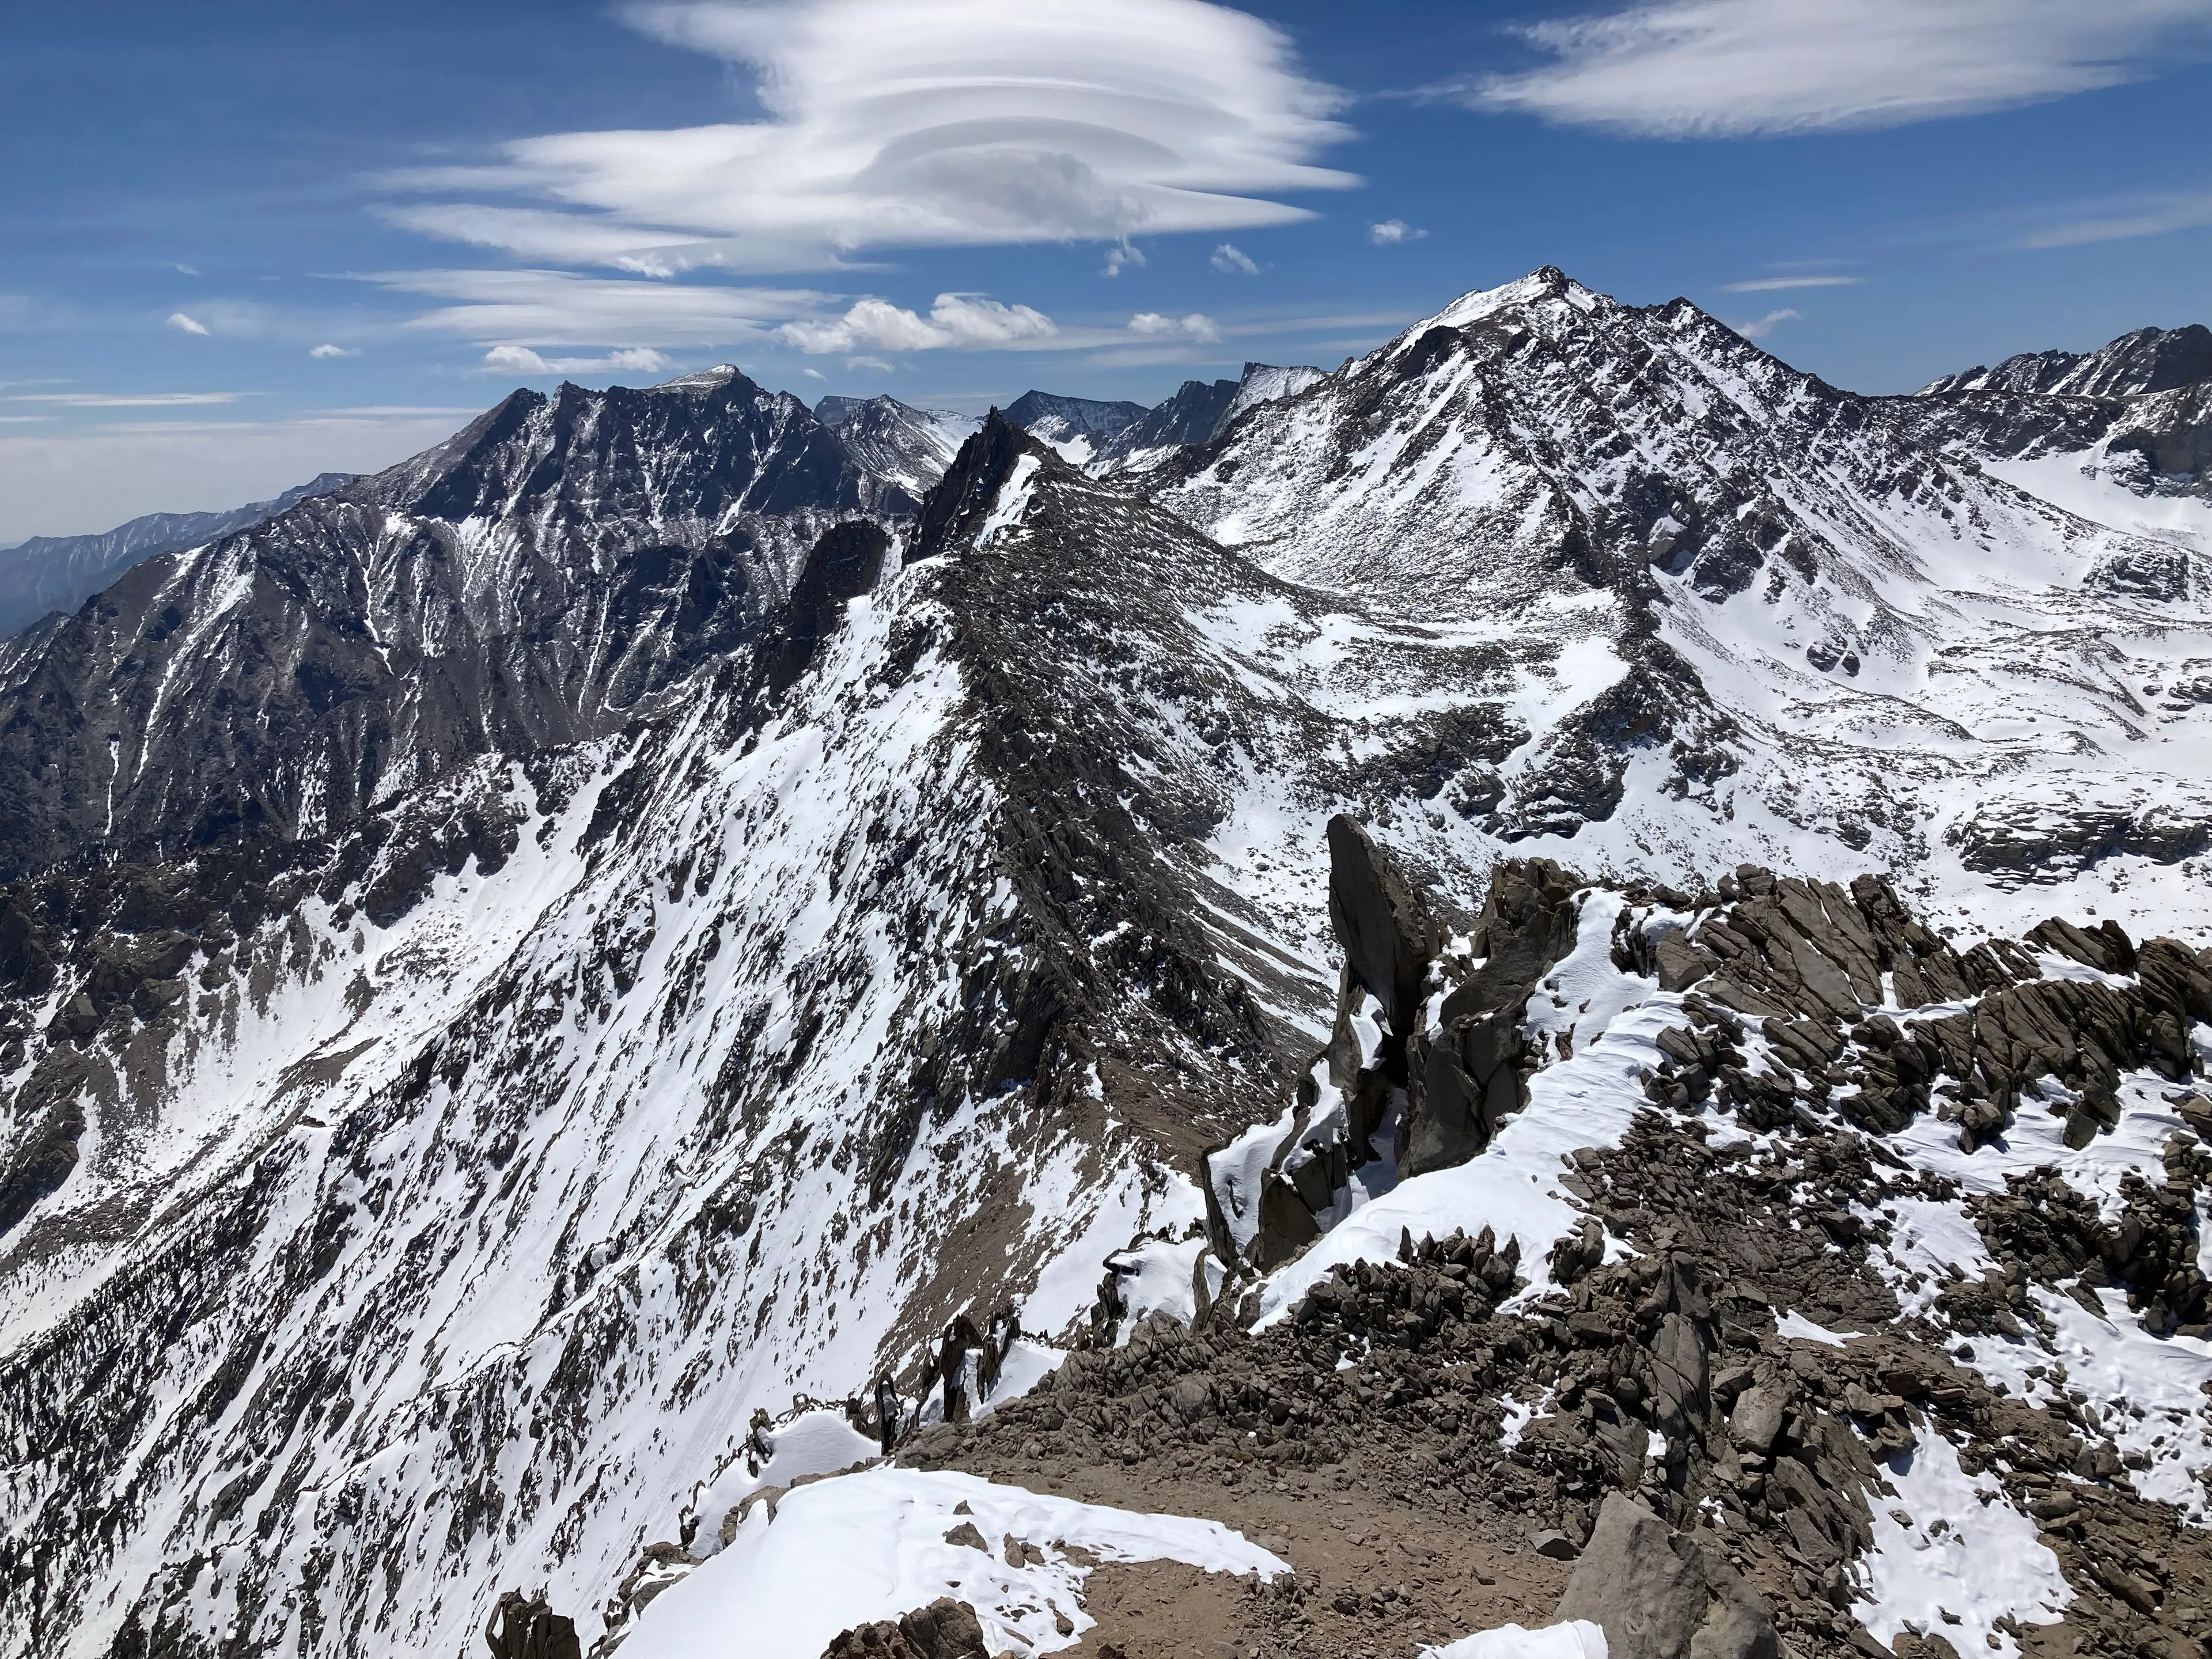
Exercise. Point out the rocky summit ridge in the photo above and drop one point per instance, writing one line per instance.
(1564, 957)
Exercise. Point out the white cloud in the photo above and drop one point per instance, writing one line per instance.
(1192, 327)
(1232, 260)
(540, 309)
(1760, 327)
(875, 364)
(968, 321)
(1393, 231)
(189, 325)
(521, 360)
(921, 122)
(561, 238)
(127, 399)
(327, 350)
(1121, 255)
(813, 373)
(1773, 284)
(2120, 222)
(1713, 67)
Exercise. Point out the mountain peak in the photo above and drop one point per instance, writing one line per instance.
(972, 486)
(1545, 283)
(703, 380)
(2141, 362)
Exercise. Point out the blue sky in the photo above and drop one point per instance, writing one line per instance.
(241, 243)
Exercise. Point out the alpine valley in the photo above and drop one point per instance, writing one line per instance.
(1559, 979)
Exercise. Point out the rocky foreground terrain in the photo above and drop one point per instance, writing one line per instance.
(1556, 979)
(1745, 1389)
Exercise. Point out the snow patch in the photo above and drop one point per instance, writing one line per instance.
(857, 1549)
(1577, 1639)
(1953, 1556)
(1796, 1325)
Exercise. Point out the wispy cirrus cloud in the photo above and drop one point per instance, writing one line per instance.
(184, 324)
(2124, 220)
(125, 399)
(1778, 284)
(1719, 68)
(919, 123)
(555, 308)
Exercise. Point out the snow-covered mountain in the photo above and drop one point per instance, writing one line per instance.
(1819, 630)
(910, 447)
(639, 915)
(1076, 428)
(1197, 412)
(58, 572)
(2147, 360)
(549, 573)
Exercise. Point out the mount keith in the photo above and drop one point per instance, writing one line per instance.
(670, 900)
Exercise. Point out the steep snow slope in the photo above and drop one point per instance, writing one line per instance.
(742, 1072)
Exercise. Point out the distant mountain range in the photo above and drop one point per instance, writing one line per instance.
(59, 572)
(907, 447)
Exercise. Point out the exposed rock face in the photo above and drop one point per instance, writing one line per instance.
(1198, 413)
(1192, 416)
(2147, 360)
(524, 1627)
(1657, 1595)
(894, 441)
(1468, 1075)
(1451, 1084)
(553, 572)
(1809, 964)
(1380, 921)
(946, 1629)
(1076, 429)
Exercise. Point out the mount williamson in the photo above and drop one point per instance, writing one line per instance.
(1353, 960)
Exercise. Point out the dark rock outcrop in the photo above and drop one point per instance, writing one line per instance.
(1468, 1078)
(1381, 922)
(525, 1627)
(946, 1629)
(1657, 1595)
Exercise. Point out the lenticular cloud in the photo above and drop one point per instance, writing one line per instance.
(1692, 68)
(921, 122)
